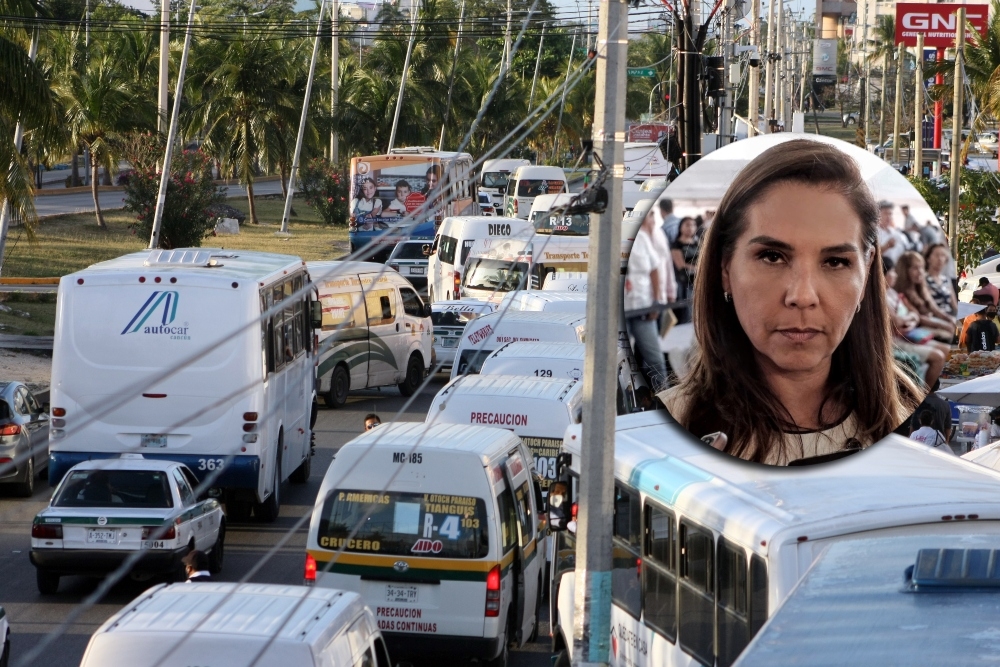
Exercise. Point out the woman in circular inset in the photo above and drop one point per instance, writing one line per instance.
(794, 356)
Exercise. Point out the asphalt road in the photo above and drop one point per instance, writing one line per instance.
(33, 615)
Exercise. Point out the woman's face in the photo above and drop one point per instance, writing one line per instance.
(916, 272)
(432, 180)
(937, 259)
(890, 277)
(369, 189)
(688, 227)
(797, 275)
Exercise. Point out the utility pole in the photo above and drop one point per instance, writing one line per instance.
(161, 199)
(562, 103)
(454, 65)
(918, 109)
(592, 620)
(881, 104)
(769, 68)
(161, 106)
(506, 37)
(302, 126)
(18, 138)
(898, 106)
(803, 63)
(779, 102)
(864, 87)
(334, 78)
(955, 177)
(753, 95)
(402, 79)
(538, 62)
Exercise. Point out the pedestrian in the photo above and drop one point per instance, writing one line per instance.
(929, 435)
(684, 252)
(671, 222)
(936, 257)
(986, 288)
(983, 436)
(982, 334)
(371, 421)
(649, 283)
(196, 566)
(890, 237)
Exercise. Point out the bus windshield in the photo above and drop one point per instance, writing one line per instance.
(495, 274)
(405, 524)
(561, 225)
(495, 179)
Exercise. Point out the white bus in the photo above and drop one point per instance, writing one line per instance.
(707, 547)
(126, 375)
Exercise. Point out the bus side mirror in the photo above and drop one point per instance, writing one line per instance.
(316, 314)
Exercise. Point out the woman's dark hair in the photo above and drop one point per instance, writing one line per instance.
(929, 250)
(723, 385)
(917, 292)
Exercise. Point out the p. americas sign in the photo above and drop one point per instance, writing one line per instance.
(937, 22)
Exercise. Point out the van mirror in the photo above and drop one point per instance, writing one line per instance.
(316, 314)
(428, 309)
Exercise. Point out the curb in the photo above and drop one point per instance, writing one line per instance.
(29, 281)
(85, 189)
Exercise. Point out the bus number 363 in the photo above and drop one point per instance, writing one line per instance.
(210, 464)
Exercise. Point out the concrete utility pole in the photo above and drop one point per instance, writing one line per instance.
(881, 104)
(538, 62)
(302, 126)
(402, 79)
(506, 37)
(779, 74)
(753, 94)
(161, 105)
(161, 199)
(18, 138)
(918, 109)
(334, 77)
(454, 65)
(769, 69)
(898, 106)
(592, 602)
(865, 88)
(955, 177)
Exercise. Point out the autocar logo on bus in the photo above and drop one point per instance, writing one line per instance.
(401, 566)
(162, 304)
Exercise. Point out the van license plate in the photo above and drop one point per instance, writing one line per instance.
(418, 270)
(401, 594)
(95, 536)
(449, 342)
(146, 440)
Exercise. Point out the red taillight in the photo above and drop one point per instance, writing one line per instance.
(168, 534)
(493, 592)
(573, 510)
(58, 412)
(46, 531)
(310, 568)
(515, 204)
(249, 416)
(10, 429)
(458, 285)
(638, 567)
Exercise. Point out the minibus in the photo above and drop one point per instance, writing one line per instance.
(546, 301)
(528, 182)
(493, 177)
(436, 527)
(707, 547)
(165, 353)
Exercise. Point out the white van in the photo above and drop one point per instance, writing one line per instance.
(237, 624)
(436, 526)
(165, 353)
(485, 334)
(454, 239)
(546, 301)
(559, 224)
(449, 319)
(526, 183)
(566, 281)
(561, 361)
(494, 176)
(376, 330)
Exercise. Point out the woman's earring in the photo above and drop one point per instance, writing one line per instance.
(858, 309)
(727, 297)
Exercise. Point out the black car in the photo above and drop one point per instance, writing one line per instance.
(24, 437)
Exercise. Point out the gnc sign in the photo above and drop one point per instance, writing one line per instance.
(937, 23)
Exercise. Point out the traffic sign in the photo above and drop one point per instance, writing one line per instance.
(644, 72)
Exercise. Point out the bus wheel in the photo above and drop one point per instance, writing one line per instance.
(414, 376)
(238, 510)
(267, 511)
(504, 657)
(340, 382)
(301, 474)
(562, 659)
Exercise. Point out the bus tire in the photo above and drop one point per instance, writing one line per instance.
(414, 376)
(562, 659)
(340, 383)
(48, 583)
(239, 510)
(218, 553)
(267, 511)
(301, 474)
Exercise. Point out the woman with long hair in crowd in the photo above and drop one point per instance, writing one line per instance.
(911, 283)
(942, 290)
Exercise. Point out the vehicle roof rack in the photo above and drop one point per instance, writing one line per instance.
(413, 149)
(944, 569)
(187, 257)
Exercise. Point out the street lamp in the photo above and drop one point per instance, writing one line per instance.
(651, 96)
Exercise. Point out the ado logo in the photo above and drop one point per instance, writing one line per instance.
(425, 546)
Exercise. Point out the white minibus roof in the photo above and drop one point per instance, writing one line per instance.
(481, 226)
(895, 482)
(230, 617)
(545, 301)
(333, 269)
(502, 321)
(419, 436)
(204, 262)
(511, 386)
(504, 164)
(568, 281)
(529, 350)
(539, 171)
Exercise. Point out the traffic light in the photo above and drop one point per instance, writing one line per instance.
(666, 100)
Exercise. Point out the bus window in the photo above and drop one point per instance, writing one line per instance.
(525, 516)
(508, 520)
(381, 309)
(626, 589)
(758, 593)
(734, 624)
(278, 340)
(697, 600)
(659, 572)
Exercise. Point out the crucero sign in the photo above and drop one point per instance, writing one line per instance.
(937, 23)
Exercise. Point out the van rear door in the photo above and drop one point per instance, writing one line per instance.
(527, 584)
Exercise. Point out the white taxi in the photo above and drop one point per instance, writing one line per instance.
(105, 510)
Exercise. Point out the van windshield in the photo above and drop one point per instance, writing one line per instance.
(495, 179)
(495, 274)
(530, 187)
(561, 225)
(405, 524)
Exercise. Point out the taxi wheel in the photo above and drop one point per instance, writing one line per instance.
(48, 583)
(340, 383)
(26, 488)
(414, 376)
(218, 552)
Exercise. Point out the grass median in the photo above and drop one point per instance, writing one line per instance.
(68, 243)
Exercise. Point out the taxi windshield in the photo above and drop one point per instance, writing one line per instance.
(145, 489)
(405, 524)
(495, 274)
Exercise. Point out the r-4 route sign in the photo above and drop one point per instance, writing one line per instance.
(645, 72)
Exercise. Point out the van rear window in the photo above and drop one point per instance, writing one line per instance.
(530, 187)
(405, 524)
(471, 361)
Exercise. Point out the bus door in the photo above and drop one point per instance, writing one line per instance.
(526, 563)
(383, 327)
